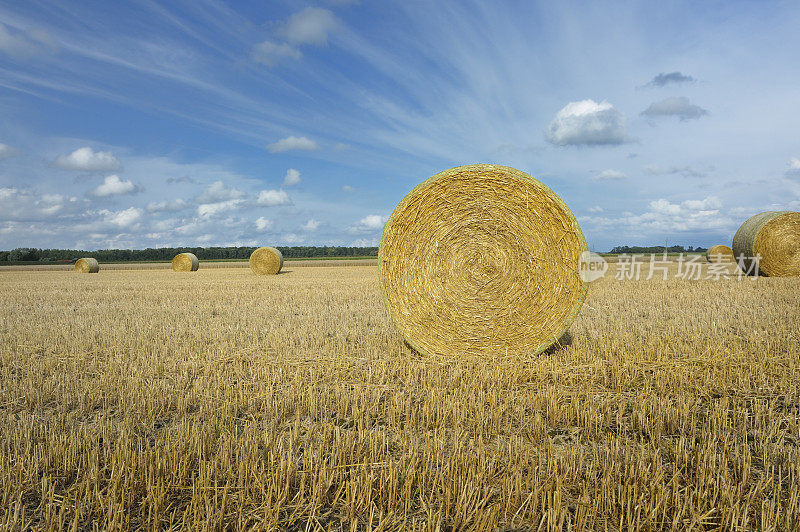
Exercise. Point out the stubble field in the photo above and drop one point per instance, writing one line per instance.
(219, 399)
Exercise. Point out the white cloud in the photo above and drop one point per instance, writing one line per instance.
(365, 242)
(665, 217)
(292, 143)
(679, 106)
(291, 178)
(609, 175)
(370, 222)
(309, 26)
(263, 224)
(347, 188)
(7, 151)
(167, 206)
(27, 205)
(218, 192)
(270, 54)
(595, 209)
(273, 198)
(124, 218)
(87, 160)
(793, 169)
(311, 225)
(114, 186)
(207, 210)
(587, 123)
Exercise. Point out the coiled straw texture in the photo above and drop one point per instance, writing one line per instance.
(482, 259)
(185, 262)
(775, 236)
(266, 261)
(719, 253)
(87, 265)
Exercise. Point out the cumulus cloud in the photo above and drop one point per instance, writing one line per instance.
(263, 224)
(309, 26)
(664, 216)
(273, 198)
(291, 178)
(347, 188)
(27, 205)
(87, 160)
(685, 171)
(114, 186)
(370, 222)
(609, 175)
(292, 143)
(207, 210)
(587, 123)
(7, 151)
(365, 242)
(218, 192)
(167, 206)
(663, 79)
(679, 106)
(270, 54)
(595, 209)
(311, 225)
(123, 218)
(793, 169)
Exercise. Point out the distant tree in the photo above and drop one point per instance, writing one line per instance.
(24, 254)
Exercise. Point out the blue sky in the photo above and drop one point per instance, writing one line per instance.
(146, 124)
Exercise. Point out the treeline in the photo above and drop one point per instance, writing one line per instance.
(656, 249)
(157, 254)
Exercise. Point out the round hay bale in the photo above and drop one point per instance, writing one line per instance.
(719, 253)
(87, 265)
(185, 262)
(775, 236)
(266, 261)
(479, 260)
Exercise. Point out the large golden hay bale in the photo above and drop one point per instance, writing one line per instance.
(185, 262)
(87, 265)
(482, 259)
(775, 236)
(719, 253)
(266, 261)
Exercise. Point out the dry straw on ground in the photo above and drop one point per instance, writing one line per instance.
(266, 261)
(719, 253)
(185, 262)
(482, 259)
(775, 237)
(87, 265)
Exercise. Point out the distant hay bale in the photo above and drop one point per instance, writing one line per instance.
(775, 236)
(482, 259)
(87, 265)
(266, 261)
(185, 262)
(719, 253)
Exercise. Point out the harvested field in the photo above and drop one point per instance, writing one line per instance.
(227, 400)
